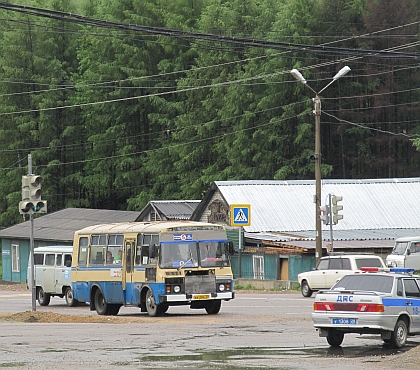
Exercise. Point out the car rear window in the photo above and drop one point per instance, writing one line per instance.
(369, 282)
(368, 262)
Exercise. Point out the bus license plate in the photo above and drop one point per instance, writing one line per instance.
(344, 321)
(201, 296)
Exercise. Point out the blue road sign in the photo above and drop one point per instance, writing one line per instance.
(240, 215)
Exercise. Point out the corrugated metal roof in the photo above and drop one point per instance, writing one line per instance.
(387, 235)
(61, 225)
(287, 206)
(170, 209)
(177, 209)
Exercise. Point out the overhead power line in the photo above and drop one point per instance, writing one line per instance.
(188, 35)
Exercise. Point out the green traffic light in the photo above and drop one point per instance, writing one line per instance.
(38, 206)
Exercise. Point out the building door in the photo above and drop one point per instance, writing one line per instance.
(258, 266)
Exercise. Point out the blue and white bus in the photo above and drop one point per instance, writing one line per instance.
(152, 265)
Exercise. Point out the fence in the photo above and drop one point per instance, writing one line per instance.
(257, 266)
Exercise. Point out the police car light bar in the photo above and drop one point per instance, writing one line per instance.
(402, 270)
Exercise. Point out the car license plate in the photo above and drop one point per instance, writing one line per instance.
(344, 321)
(201, 296)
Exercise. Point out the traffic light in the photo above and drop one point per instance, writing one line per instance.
(325, 214)
(32, 195)
(335, 208)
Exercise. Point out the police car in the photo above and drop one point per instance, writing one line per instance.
(383, 301)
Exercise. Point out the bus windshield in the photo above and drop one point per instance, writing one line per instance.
(205, 254)
(213, 254)
(178, 255)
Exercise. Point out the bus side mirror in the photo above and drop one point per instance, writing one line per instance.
(408, 252)
(231, 248)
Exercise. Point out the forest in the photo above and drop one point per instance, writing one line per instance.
(125, 101)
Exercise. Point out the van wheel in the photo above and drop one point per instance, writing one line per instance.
(43, 298)
(70, 300)
(102, 308)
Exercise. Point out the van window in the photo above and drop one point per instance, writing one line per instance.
(67, 260)
(59, 259)
(49, 259)
(38, 259)
(83, 247)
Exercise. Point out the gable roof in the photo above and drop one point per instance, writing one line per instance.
(287, 206)
(61, 225)
(169, 209)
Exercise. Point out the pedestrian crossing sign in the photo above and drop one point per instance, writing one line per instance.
(240, 215)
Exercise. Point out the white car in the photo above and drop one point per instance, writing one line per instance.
(385, 303)
(332, 268)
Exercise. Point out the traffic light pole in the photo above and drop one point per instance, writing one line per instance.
(31, 243)
(331, 224)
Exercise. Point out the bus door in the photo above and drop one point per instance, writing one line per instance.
(128, 263)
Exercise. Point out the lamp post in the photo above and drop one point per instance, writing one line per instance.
(317, 157)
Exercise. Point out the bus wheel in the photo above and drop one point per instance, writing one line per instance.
(70, 300)
(43, 298)
(151, 306)
(113, 309)
(102, 308)
(213, 307)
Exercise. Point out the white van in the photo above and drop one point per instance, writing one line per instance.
(406, 253)
(52, 274)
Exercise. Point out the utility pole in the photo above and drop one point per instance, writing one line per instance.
(317, 112)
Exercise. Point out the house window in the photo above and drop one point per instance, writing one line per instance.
(15, 258)
(258, 264)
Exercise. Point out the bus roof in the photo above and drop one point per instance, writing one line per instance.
(149, 227)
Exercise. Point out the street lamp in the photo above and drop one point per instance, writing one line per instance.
(317, 155)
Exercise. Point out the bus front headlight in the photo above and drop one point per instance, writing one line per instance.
(177, 289)
(222, 287)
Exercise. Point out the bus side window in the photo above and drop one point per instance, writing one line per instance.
(148, 240)
(83, 248)
(97, 250)
(59, 259)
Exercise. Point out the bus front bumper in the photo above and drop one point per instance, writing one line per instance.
(172, 298)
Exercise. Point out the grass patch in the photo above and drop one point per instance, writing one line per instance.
(12, 364)
(250, 287)
(246, 287)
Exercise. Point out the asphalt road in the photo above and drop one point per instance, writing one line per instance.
(270, 331)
